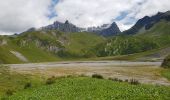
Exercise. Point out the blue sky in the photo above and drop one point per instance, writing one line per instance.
(19, 15)
(53, 13)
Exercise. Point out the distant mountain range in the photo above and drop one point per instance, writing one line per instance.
(104, 30)
(142, 25)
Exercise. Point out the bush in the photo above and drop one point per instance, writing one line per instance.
(134, 82)
(126, 80)
(50, 81)
(116, 79)
(166, 62)
(9, 92)
(27, 85)
(97, 76)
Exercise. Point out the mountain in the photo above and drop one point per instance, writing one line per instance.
(64, 27)
(155, 37)
(105, 29)
(147, 22)
(111, 31)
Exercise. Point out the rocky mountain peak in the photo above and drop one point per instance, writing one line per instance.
(64, 27)
(66, 22)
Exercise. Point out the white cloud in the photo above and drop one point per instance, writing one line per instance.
(19, 15)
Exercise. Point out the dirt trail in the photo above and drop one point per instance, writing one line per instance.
(145, 72)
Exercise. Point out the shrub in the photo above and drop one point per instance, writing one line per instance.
(126, 80)
(27, 85)
(51, 80)
(82, 75)
(9, 92)
(69, 76)
(97, 76)
(134, 82)
(166, 62)
(116, 79)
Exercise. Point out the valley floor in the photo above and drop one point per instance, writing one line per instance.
(144, 72)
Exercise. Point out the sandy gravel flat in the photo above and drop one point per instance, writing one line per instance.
(145, 72)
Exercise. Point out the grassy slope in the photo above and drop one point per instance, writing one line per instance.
(77, 44)
(88, 88)
(80, 43)
(7, 57)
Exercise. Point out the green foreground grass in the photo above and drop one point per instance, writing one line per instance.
(84, 88)
(166, 73)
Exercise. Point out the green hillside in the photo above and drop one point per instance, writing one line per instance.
(80, 44)
(44, 46)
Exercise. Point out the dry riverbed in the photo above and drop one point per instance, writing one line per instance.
(145, 72)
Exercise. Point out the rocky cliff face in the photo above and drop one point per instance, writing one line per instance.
(147, 22)
(111, 31)
(106, 29)
(64, 27)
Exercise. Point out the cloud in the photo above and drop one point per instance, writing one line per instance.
(19, 15)
(87, 13)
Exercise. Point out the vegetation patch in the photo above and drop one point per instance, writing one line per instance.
(11, 82)
(91, 88)
(166, 62)
(51, 80)
(97, 76)
(166, 73)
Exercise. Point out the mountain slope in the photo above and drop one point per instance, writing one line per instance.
(156, 37)
(147, 22)
(46, 45)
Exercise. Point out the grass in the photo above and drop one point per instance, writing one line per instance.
(80, 43)
(7, 57)
(166, 73)
(12, 81)
(85, 88)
